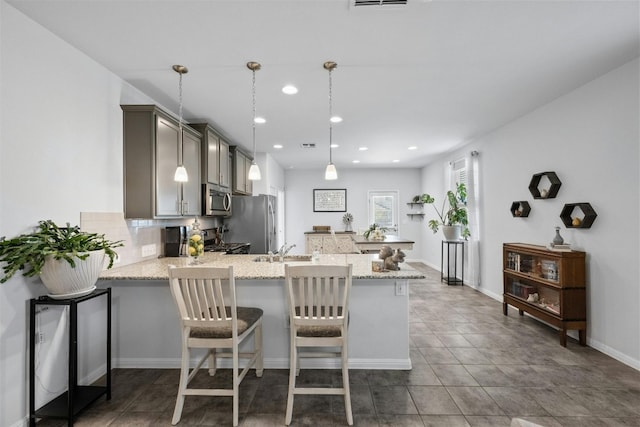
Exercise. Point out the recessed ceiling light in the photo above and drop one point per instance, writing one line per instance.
(356, 161)
(260, 120)
(278, 146)
(395, 160)
(363, 148)
(335, 119)
(413, 147)
(290, 90)
(335, 145)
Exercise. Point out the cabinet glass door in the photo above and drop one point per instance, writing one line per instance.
(535, 293)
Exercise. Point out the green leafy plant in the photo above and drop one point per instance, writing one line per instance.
(374, 229)
(455, 214)
(28, 251)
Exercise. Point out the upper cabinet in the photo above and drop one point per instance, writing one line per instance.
(152, 151)
(241, 164)
(216, 163)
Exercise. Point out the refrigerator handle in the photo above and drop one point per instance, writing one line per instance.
(273, 220)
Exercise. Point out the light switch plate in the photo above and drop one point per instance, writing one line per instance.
(148, 250)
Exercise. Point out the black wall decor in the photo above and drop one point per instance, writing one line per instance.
(571, 221)
(544, 193)
(520, 209)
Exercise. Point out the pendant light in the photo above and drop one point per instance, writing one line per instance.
(330, 172)
(181, 172)
(254, 170)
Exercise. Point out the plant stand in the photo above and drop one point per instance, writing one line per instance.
(70, 403)
(452, 249)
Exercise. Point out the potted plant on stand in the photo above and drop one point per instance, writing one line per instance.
(453, 220)
(67, 260)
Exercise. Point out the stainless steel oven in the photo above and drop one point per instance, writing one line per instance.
(215, 202)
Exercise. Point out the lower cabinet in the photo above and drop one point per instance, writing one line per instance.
(327, 243)
(549, 285)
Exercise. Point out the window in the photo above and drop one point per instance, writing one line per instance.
(458, 173)
(383, 209)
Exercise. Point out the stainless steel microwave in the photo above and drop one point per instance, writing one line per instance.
(215, 202)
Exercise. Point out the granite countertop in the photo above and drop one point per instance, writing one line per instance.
(246, 268)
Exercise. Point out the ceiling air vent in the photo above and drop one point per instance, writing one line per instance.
(308, 145)
(377, 3)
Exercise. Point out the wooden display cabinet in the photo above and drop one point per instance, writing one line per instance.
(549, 285)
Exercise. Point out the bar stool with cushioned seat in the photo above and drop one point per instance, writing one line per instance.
(206, 300)
(318, 297)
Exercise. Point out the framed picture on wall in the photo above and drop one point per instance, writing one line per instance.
(330, 200)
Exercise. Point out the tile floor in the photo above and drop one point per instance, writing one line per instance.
(472, 366)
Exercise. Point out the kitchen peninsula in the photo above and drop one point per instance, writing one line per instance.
(366, 246)
(147, 330)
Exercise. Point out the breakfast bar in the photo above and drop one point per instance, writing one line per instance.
(366, 246)
(147, 330)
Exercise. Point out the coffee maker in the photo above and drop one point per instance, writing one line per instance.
(175, 241)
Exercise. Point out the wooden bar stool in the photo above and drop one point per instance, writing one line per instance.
(206, 300)
(318, 297)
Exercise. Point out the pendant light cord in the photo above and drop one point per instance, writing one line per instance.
(330, 115)
(253, 92)
(180, 104)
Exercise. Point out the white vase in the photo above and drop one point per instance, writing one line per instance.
(452, 232)
(64, 281)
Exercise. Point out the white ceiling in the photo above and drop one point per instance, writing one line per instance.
(432, 74)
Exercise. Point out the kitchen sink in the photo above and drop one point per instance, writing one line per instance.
(287, 258)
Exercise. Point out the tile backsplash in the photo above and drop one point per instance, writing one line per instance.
(135, 233)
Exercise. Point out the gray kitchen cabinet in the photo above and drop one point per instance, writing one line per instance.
(216, 163)
(152, 151)
(225, 165)
(241, 164)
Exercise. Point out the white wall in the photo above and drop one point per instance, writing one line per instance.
(589, 137)
(302, 218)
(60, 154)
(435, 184)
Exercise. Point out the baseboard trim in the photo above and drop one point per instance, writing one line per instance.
(272, 363)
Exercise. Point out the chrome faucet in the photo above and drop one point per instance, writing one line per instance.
(284, 250)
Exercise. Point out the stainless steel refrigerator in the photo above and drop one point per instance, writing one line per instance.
(253, 220)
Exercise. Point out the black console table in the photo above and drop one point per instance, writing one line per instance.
(70, 403)
(451, 248)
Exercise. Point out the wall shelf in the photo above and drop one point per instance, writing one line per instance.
(520, 209)
(544, 193)
(570, 212)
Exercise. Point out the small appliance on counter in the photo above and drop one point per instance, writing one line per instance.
(175, 241)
